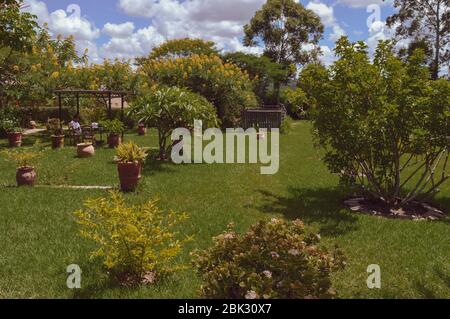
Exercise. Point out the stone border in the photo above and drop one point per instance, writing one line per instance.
(357, 204)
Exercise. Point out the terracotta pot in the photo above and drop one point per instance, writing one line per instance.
(114, 140)
(129, 175)
(15, 139)
(25, 176)
(142, 130)
(57, 141)
(85, 150)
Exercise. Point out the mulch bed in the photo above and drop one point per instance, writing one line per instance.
(413, 210)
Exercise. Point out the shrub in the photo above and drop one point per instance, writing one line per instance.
(273, 259)
(113, 126)
(384, 124)
(296, 102)
(9, 119)
(286, 125)
(224, 85)
(138, 243)
(171, 108)
(130, 152)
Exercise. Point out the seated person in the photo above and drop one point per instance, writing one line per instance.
(75, 125)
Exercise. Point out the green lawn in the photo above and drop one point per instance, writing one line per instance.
(38, 235)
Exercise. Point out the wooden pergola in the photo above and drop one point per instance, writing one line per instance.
(105, 94)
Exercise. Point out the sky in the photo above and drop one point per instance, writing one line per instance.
(129, 28)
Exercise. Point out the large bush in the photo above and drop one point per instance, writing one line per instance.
(136, 243)
(273, 259)
(384, 124)
(171, 108)
(224, 85)
(295, 101)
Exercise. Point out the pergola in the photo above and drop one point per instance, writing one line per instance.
(105, 94)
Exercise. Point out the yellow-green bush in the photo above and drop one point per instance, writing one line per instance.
(133, 241)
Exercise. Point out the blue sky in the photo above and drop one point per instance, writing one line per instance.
(129, 28)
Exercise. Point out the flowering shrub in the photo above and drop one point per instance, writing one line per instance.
(137, 242)
(224, 85)
(170, 108)
(273, 259)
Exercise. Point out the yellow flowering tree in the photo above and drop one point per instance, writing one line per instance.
(225, 85)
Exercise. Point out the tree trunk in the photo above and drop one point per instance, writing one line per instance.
(437, 47)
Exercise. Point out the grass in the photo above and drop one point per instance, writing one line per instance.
(39, 239)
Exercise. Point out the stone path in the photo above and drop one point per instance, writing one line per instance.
(77, 187)
(34, 131)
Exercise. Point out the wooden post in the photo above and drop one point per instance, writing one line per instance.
(60, 110)
(109, 106)
(78, 104)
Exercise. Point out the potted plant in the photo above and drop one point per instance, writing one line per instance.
(14, 132)
(114, 129)
(26, 172)
(129, 164)
(54, 125)
(142, 129)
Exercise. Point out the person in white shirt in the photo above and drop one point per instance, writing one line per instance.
(75, 125)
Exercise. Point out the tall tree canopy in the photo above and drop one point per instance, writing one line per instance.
(425, 20)
(285, 27)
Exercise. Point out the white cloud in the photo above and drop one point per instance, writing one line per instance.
(221, 21)
(137, 44)
(69, 22)
(326, 14)
(363, 3)
(79, 27)
(122, 30)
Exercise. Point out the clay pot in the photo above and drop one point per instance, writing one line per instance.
(85, 150)
(114, 140)
(25, 176)
(15, 139)
(142, 130)
(57, 141)
(129, 175)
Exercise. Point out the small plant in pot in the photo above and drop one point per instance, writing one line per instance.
(129, 164)
(57, 138)
(14, 132)
(114, 129)
(142, 129)
(26, 171)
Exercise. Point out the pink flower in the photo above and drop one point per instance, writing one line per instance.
(251, 295)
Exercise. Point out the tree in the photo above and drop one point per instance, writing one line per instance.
(285, 27)
(169, 108)
(310, 81)
(425, 20)
(226, 86)
(179, 48)
(384, 125)
(263, 72)
(17, 30)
